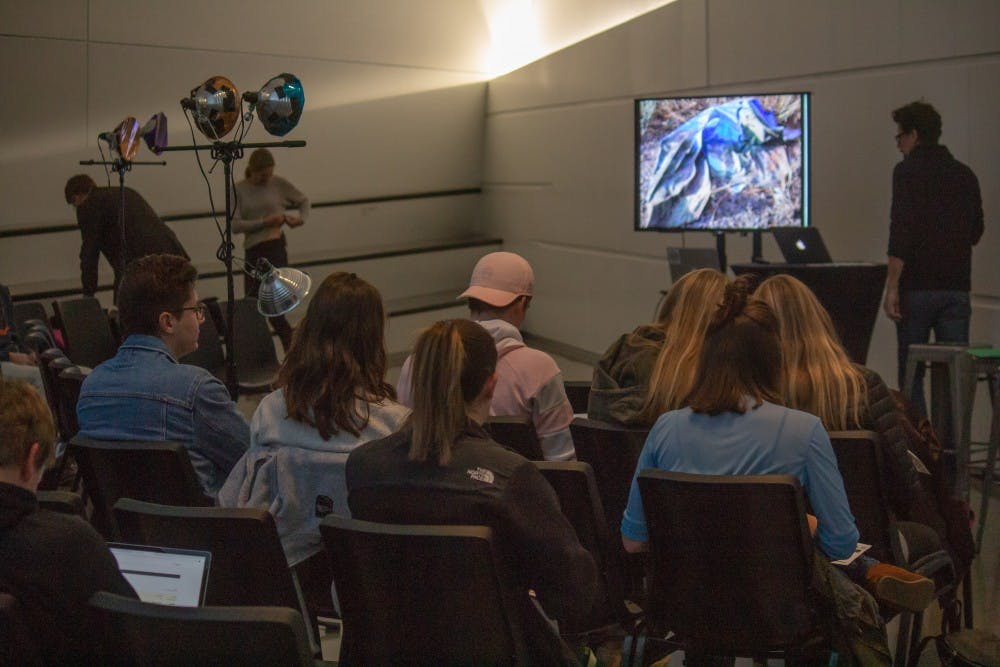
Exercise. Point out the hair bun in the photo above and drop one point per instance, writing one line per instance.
(734, 301)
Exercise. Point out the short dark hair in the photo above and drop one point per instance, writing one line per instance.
(80, 184)
(741, 356)
(152, 285)
(923, 118)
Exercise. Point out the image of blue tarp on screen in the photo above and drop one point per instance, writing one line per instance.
(722, 150)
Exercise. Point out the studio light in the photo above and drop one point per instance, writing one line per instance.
(279, 103)
(127, 138)
(154, 132)
(215, 106)
(281, 290)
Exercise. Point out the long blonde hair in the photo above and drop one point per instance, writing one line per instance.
(452, 361)
(819, 376)
(689, 308)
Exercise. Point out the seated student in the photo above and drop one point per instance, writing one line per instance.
(820, 379)
(52, 563)
(442, 468)
(734, 424)
(144, 394)
(657, 355)
(529, 383)
(332, 397)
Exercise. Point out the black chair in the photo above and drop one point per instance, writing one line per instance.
(157, 472)
(64, 502)
(576, 488)
(248, 563)
(861, 465)
(51, 363)
(17, 642)
(517, 434)
(69, 381)
(731, 567)
(422, 595)
(210, 354)
(256, 359)
(86, 331)
(27, 313)
(37, 341)
(578, 393)
(153, 634)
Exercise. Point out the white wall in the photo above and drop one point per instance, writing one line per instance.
(387, 112)
(558, 176)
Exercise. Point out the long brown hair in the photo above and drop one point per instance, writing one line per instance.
(452, 360)
(741, 357)
(819, 376)
(685, 315)
(337, 362)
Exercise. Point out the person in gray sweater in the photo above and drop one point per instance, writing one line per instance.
(260, 215)
(331, 397)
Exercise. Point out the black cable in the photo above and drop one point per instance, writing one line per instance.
(225, 250)
(107, 172)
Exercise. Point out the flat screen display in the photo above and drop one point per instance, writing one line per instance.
(724, 163)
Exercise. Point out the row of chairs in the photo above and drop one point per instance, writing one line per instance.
(90, 337)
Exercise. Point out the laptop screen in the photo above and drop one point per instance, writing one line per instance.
(802, 245)
(162, 575)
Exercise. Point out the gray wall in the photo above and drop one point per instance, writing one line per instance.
(558, 176)
(387, 112)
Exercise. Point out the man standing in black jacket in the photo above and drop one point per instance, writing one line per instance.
(98, 211)
(937, 216)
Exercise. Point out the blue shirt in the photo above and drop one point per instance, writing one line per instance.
(767, 440)
(143, 394)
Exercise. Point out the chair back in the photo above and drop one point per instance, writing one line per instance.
(17, 644)
(574, 484)
(248, 564)
(210, 354)
(517, 434)
(86, 330)
(578, 393)
(153, 634)
(613, 453)
(159, 472)
(25, 311)
(731, 561)
(859, 459)
(433, 592)
(68, 384)
(256, 358)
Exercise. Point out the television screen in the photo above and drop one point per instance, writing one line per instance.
(735, 162)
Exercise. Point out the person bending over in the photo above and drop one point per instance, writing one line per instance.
(98, 213)
(331, 397)
(52, 563)
(442, 468)
(529, 383)
(144, 394)
(642, 373)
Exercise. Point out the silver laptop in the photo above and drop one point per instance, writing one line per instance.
(802, 245)
(685, 260)
(162, 575)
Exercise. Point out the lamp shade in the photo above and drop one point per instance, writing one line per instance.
(127, 138)
(281, 290)
(216, 107)
(280, 103)
(154, 132)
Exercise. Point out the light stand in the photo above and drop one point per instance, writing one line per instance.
(227, 152)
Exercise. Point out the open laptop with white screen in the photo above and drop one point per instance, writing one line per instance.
(161, 575)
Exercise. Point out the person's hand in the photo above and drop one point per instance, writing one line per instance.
(293, 220)
(22, 359)
(274, 220)
(891, 305)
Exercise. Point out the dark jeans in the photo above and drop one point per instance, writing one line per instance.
(275, 252)
(945, 312)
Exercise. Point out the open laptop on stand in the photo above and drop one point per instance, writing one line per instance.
(161, 575)
(802, 245)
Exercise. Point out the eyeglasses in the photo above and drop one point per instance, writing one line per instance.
(199, 310)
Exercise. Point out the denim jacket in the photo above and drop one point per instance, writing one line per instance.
(143, 394)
